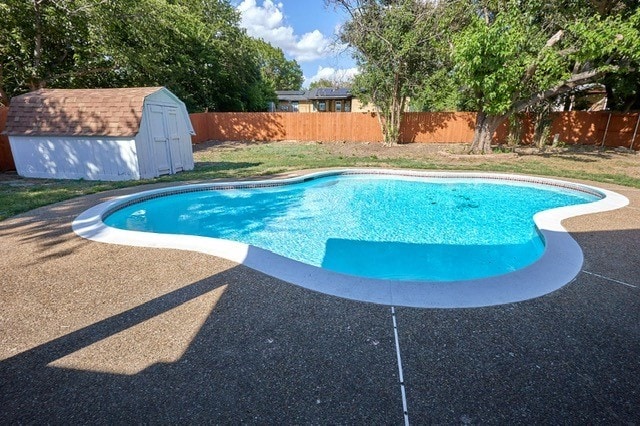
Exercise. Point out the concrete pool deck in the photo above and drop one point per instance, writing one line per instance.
(100, 333)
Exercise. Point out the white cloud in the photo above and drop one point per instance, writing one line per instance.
(267, 22)
(337, 76)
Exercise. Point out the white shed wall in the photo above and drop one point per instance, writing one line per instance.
(67, 157)
(144, 148)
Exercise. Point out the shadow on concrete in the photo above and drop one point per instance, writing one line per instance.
(267, 352)
(46, 233)
(569, 357)
(264, 351)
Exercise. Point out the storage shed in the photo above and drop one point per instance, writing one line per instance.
(99, 134)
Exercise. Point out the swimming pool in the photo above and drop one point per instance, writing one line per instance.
(394, 237)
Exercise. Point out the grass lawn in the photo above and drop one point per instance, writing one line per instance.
(244, 159)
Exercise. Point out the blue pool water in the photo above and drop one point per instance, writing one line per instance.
(390, 227)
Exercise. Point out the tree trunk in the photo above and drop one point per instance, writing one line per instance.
(4, 98)
(542, 125)
(390, 128)
(35, 81)
(390, 123)
(486, 126)
(390, 116)
(515, 130)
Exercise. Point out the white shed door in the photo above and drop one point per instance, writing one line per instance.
(163, 121)
(162, 154)
(171, 115)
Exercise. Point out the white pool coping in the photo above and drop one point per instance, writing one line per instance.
(560, 263)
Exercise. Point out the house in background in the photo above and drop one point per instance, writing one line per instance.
(293, 101)
(319, 100)
(330, 100)
(99, 134)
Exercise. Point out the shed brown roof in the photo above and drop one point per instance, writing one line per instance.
(78, 112)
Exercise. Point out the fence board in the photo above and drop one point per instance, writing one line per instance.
(573, 127)
(438, 127)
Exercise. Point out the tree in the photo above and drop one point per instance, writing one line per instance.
(43, 42)
(277, 71)
(322, 83)
(393, 42)
(333, 82)
(623, 91)
(196, 49)
(515, 56)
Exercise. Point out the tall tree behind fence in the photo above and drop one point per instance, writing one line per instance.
(6, 158)
(573, 127)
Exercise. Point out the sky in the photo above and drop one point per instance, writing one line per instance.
(305, 30)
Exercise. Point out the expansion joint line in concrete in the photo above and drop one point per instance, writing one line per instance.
(610, 279)
(400, 373)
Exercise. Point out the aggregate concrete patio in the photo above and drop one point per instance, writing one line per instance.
(98, 333)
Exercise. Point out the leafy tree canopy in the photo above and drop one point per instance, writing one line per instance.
(322, 83)
(513, 55)
(277, 71)
(394, 43)
(196, 49)
(331, 83)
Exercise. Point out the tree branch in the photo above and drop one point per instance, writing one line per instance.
(554, 39)
(565, 86)
(534, 66)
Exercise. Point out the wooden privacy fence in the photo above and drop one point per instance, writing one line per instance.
(6, 158)
(600, 128)
(330, 127)
(355, 127)
(573, 127)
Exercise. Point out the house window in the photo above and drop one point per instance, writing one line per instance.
(322, 106)
(295, 106)
(347, 106)
(338, 106)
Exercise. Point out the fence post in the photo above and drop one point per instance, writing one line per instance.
(635, 132)
(605, 131)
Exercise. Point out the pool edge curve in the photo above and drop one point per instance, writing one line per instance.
(542, 277)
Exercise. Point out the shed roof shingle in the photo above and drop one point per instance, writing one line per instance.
(78, 112)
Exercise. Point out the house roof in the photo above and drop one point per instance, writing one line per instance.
(78, 112)
(313, 94)
(327, 93)
(291, 95)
